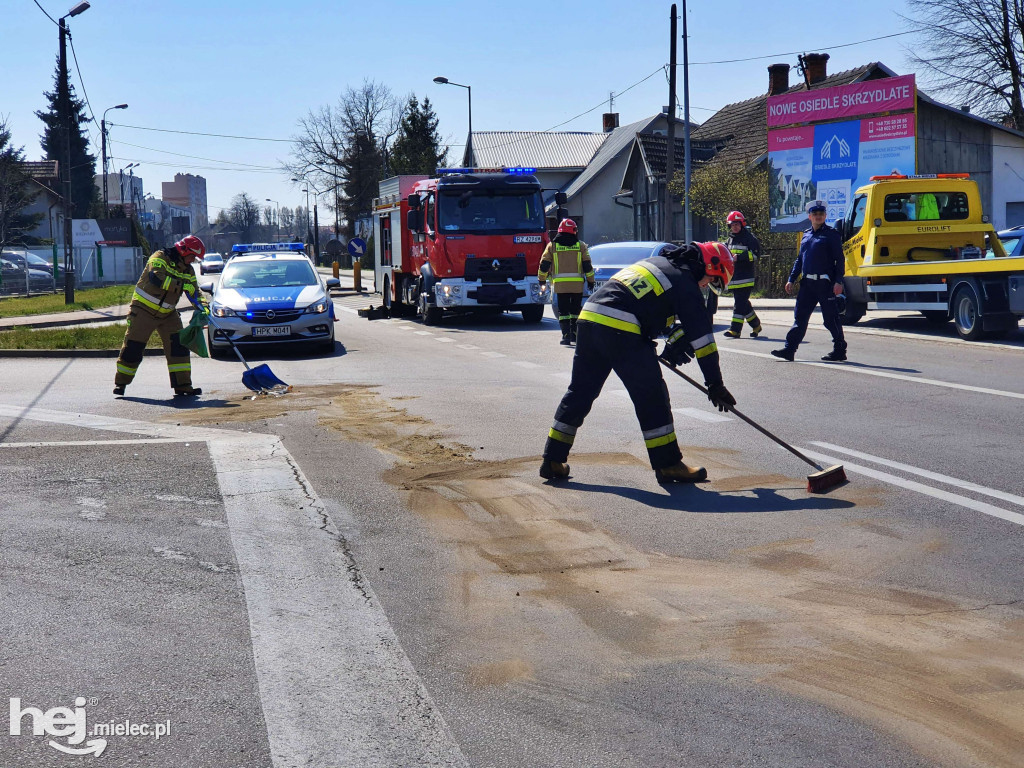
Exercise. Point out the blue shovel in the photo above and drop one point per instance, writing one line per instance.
(259, 379)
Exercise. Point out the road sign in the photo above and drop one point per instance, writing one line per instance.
(357, 246)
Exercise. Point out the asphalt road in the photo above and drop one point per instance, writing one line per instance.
(391, 562)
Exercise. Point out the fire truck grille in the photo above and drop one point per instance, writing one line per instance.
(496, 270)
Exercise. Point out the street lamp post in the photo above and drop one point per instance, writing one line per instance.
(64, 89)
(306, 190)
(277, 220)
(103, 140)
(469, 92)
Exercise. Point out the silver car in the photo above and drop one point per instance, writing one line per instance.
(271, 298)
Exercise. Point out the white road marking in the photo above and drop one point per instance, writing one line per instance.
(468, 346)
(334, 683)
(424, 333)
(526, 364)
(492, 354)
(956, 482)
(700, 415)
(927, 490)
(443, 339)
(564, 376)
(886, 375)
(347, 309)
(52, 444)
(405, 327)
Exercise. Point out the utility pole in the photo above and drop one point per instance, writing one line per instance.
(65, 121)
(103, 139)
(687, 216)
(668, 235)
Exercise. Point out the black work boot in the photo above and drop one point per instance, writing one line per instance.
(572, 331)
(784, 354)
(732, 333)
(188, 391)
(554, 470)
(835, 356)
(755, 331)
(566, 332)
(680, 473)
(118, 390)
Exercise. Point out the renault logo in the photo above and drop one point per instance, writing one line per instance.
(495, 265)
(271, 314)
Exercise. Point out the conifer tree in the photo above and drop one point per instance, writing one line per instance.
(417, 148)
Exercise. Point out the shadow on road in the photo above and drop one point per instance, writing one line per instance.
(695, 498)
(181, 403)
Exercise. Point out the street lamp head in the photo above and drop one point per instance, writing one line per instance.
(80, 8)
(441, 80)
(120, 106)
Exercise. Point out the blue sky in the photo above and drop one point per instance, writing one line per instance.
(255, 68)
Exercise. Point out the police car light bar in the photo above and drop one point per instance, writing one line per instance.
(255, 247)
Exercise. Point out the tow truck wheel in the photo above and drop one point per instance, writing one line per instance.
(967, 313)
(855, 310)
(533, 313)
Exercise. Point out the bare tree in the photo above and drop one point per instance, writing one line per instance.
(973, 50)
(245, 216)
(348, 145)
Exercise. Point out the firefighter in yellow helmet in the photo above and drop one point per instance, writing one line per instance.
(566, 261)
(168, 274)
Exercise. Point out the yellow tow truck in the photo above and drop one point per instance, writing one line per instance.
(923, 243)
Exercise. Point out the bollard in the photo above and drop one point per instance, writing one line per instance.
(357, 283)
(334, 266)
(99, 261)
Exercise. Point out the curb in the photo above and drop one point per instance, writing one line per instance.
(72, 352)
(63, 323)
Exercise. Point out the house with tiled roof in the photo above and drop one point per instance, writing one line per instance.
(949, 139)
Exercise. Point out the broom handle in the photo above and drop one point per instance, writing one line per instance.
(209, 317)
(747, 419)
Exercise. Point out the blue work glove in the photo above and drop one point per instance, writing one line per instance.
(721, 397)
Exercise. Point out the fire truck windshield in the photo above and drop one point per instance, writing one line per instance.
(490, 212)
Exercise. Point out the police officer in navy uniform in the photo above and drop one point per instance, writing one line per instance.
(616, 331)
(820, 266)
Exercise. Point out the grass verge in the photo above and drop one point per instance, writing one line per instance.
(47, 303)
(72, 337)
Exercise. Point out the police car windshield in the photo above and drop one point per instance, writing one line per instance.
(619, 255)
(490, 212)
(267, 274)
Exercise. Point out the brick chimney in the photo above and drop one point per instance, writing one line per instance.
(815, 67)
(609, 121)
(778, 79)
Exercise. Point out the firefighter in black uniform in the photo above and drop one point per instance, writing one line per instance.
(566, 261)
(820, 266)
(746, 250)
(617, 328)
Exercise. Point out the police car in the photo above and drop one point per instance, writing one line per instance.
(270, 293)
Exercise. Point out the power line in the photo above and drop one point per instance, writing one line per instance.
(196, 157)
(796, 53)
(44, 12)
(80, 80)
(197, 133)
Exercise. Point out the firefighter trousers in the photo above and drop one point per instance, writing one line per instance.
(599, 351)
(811, 294)
(141, 325)
(743, 310)
(568, 306)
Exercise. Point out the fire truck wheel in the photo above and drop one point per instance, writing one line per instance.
(386, 295)
(430, 315)
(533, 313)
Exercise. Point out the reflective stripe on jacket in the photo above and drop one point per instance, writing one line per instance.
(163, 281)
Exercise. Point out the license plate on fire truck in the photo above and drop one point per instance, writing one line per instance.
(272, 330)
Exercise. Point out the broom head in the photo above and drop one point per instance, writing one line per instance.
(826, 479)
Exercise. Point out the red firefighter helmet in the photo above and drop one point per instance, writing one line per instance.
(190, 245)
(735, 216)
(718, 265)
(568, 225)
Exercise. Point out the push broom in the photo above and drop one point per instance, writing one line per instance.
(821, 481)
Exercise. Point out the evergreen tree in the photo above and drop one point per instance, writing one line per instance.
(417, 148)
(16, 193)
(362, 168)
(85, 196)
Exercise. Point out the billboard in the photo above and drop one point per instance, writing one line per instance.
(88, 233)
(828, 155)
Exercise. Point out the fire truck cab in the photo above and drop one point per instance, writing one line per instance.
(465, 240)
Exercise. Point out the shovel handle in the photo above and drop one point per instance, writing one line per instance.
(751, 422)
(209, 317)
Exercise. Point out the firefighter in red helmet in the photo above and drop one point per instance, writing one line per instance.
(168, 274)
(617, 328)
(746, 250)
(566, 262)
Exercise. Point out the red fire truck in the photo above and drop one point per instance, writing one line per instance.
(468, 239)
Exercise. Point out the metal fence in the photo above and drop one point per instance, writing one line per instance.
(28, 271)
